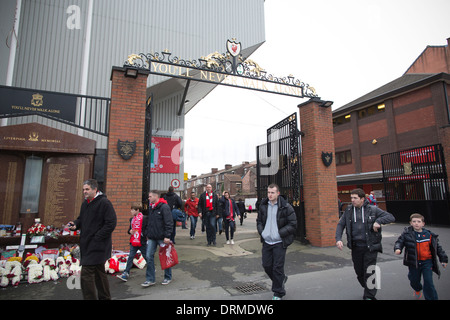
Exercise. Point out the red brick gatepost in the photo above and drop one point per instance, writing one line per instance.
(319, 181)
(126, 123)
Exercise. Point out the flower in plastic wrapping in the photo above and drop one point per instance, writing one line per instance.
(107, 267)
(35, 273)
(37, 229)
(50, 269)
(139, 261)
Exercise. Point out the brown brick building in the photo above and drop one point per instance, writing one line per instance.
(239, 180)
(409, 112)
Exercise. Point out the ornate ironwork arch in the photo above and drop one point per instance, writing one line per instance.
(229, 68)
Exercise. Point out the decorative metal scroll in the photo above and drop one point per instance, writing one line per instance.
(230, 69)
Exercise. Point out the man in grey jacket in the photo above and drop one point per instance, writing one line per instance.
(276, 224)
(362, 223)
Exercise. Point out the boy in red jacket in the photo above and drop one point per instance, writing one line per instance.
(422, 249)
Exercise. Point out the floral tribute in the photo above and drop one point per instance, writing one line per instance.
(38, 229)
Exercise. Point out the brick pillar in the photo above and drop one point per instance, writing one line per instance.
(319, 181)
(126, 123)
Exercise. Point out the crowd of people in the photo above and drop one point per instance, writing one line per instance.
(276, 225)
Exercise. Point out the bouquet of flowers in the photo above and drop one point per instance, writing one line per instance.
(37, 229)
(139, 261)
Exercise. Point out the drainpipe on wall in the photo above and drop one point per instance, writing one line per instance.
(12, 50)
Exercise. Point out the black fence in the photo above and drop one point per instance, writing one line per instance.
(415, 181)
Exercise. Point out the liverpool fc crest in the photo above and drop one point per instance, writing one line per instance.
(234, 48)
(38, 100)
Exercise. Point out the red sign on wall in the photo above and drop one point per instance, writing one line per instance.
(165, 156)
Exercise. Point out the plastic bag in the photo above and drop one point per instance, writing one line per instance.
(168, 256)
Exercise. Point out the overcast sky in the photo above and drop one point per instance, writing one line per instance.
(344, 49)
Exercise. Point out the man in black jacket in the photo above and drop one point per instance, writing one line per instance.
(208, 211)
(276, 224)
(362, 223)
(159, 230)
(97, 222)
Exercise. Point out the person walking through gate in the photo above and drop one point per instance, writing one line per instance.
(241, 207)
(208, 210)
(229, 212)
(138, 241)
(276, 224)
(97, 222)
(175, 204)
(362, 223)
(159, 230)
(422, 249)
(191, 207)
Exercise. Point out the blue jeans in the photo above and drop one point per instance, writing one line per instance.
(150, 273)
(193, 225)
(415, 275)
(133, 251)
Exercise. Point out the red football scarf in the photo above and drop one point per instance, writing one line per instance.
(209, 201)
(136, 224)
(231, 211)
(161, 200)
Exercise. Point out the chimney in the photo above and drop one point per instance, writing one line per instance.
(214, 170)
(228, 166)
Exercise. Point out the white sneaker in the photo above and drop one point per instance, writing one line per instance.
(228, 241)
(232, 242)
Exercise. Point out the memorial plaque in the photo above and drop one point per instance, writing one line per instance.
(11, 176)
(37, 137)
(62, 188)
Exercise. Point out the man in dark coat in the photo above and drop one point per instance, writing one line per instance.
(159, 231)
(208, 210)
(175, 204)
(276, 224)
(97, 222)
(362, 223)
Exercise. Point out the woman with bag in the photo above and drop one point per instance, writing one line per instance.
(229, 212)
(138, 225)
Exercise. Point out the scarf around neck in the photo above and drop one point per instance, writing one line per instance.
(209, 201)
(161, 200)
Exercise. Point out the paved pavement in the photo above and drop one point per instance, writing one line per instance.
(234, 273)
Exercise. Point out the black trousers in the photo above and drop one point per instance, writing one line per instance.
(273, 257)
(94, 283)
(363, 259)
(209, 219)
(229, 228)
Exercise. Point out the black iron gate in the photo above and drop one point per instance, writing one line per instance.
(415, 181)
(279, 162)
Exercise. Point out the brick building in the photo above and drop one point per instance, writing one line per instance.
(239, 180)
(409, 112)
